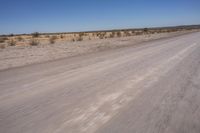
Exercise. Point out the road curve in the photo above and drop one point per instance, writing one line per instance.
(150, 88)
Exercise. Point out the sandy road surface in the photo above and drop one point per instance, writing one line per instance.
(151, 88)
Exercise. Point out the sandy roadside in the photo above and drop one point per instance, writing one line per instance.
(11, 57)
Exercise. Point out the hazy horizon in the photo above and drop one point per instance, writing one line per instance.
(96, 30)
(50, 16)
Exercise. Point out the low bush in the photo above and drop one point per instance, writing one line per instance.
(80, 38)
(12, 43)
(138, 33)
(11, 35)
(52, 39)
(102, 35)
(119, 34)
(35, 34)
(3, 39)
(19, 38)
(34, 42)
(145, 30)
(112, 35)
(82, 34)
(47, 36)
(133, 32)
(127, 33)
(61, 36)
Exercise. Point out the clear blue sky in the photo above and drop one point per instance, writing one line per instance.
(27, 16)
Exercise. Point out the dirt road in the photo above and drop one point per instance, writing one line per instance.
(149, 88)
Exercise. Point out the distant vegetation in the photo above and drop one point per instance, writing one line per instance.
(12, 42)
(34, 42)
(52, 39)
(35, 38)
(19, 38)
(35, 34)
(3, 39)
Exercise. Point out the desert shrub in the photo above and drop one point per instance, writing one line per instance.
(3, 39)
(151, 32)
(133, 32)
(12, 43)
(34, 42)
(80, 38)
(35, 34)
(112, 35)
(11, 35)
(101, 35)
(145, 30)
(159, 31)
(138, 33)
(98, 34)
(119, 34)
(19, 38)
(81, 34)
(2, 46)
(127, 33)
(61, 36)
(52, 39)
(47, 36)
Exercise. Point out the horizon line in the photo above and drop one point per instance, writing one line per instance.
(104, 30)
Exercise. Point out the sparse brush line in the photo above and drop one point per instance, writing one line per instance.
(36, 38)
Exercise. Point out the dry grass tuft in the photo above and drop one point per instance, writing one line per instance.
(62, 36)
(19, 38)
(34, 42)
(12, 43)
(119, 34)
(52, 39)
(80, 38)
(3, 39)
(112, 35)
(127, 33)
